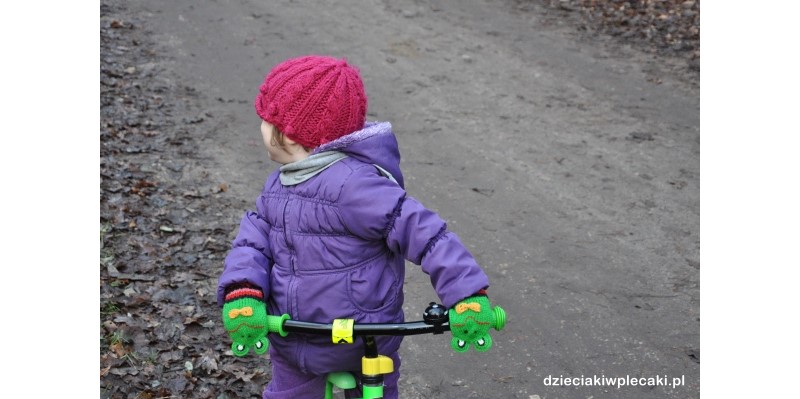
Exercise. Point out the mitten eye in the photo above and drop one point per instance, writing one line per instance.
(461, 343)
(239, 349)
(481, 342)
(261, 346)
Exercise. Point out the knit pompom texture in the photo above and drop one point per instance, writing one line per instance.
(313, 99)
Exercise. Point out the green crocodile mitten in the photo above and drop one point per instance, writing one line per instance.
(470, 321)
(244, 315)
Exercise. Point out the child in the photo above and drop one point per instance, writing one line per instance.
(332, 228)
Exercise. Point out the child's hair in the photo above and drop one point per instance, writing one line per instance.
(279, 139)
(313, 99)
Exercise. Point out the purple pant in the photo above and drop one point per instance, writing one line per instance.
(291, 383)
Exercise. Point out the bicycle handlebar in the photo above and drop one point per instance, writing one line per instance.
(472, 330)
(408, 328)
(436, 322)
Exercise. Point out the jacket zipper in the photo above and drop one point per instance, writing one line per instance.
(290, 247)
(299, 357)
(292, 288)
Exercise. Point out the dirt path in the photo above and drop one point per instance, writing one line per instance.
(569, 166)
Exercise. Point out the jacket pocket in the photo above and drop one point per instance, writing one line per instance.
(280, 279)
(374, 287)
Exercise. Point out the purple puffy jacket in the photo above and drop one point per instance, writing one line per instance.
(334, 247)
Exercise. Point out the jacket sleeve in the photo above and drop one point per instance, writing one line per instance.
(250, 258)
(375, 208)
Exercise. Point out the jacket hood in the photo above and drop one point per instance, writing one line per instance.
(375, 144)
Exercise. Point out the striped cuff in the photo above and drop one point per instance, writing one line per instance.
(246, 292)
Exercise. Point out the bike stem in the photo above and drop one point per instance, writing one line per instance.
(373, 368)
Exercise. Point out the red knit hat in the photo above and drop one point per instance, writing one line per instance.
(313, 99)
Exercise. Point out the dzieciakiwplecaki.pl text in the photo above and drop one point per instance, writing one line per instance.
(619, 382)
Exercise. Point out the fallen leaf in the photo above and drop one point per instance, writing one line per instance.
(119, 349)
(208, 363)
(145, 395)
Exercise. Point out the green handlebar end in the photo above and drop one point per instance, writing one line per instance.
(275, 324)
(499, 318)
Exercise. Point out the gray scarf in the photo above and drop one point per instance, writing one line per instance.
(297, 172)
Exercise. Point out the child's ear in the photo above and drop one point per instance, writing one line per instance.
(295, 147)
